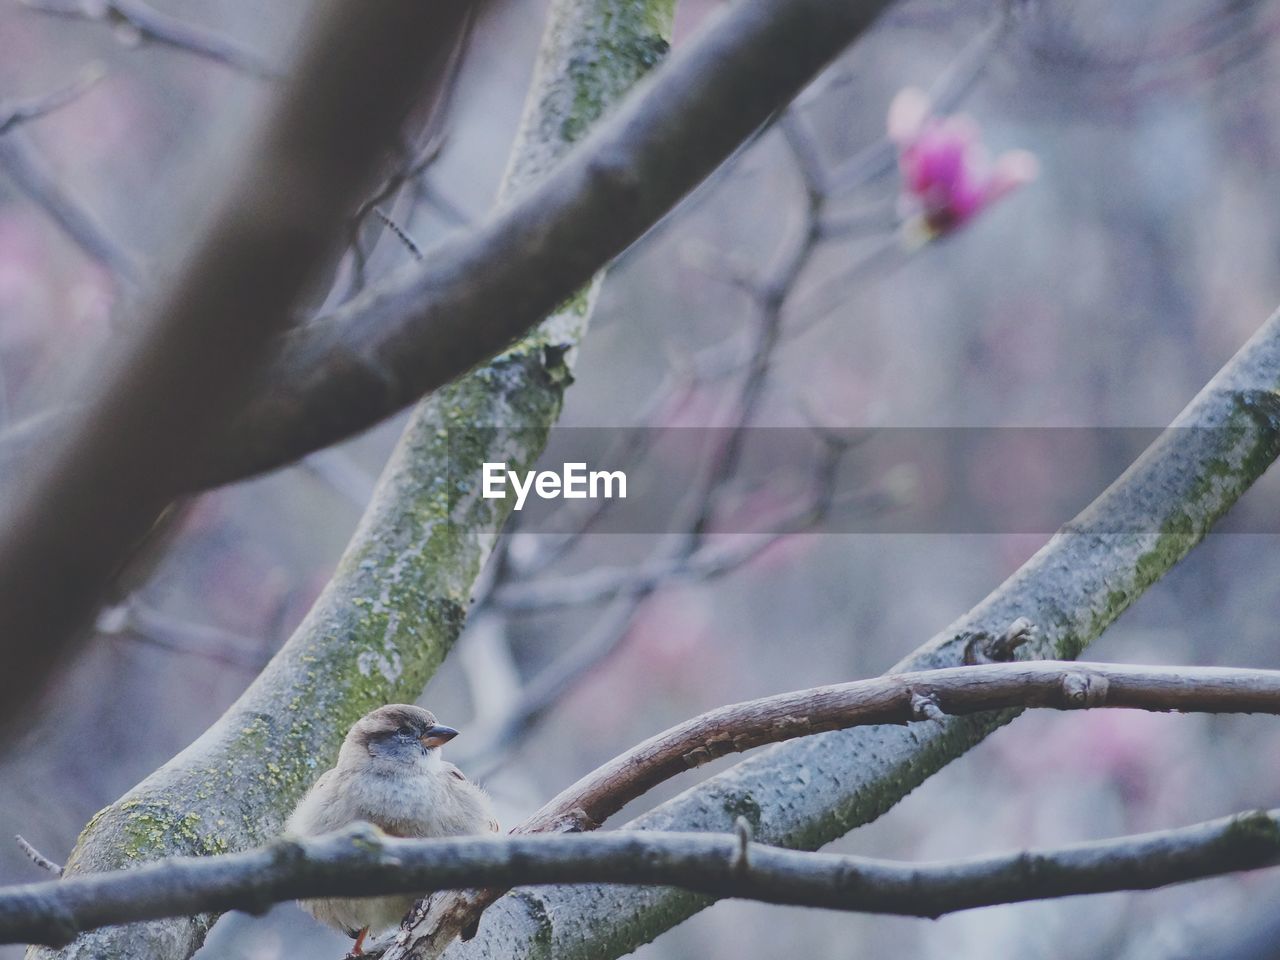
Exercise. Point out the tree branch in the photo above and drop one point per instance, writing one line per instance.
(900, 699)
(147, 25)
(78, 514)
(474, 294)
(362, 860)
(1072, 589)
(15, 114)
(29, 172)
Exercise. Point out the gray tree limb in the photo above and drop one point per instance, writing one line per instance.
(474, 294)
(400, 594)
(810, 791)
(363, 860)
(272, 228)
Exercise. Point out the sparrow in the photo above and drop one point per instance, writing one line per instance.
(389, 773)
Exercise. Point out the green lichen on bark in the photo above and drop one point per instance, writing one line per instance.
(400, 594)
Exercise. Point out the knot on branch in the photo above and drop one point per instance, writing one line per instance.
(740, 862)
(1084, 690)
(715, 746)
(983, 647)
(925, 706)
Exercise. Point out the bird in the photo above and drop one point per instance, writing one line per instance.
(389, 773)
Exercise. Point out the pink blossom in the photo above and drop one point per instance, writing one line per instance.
(947, 174)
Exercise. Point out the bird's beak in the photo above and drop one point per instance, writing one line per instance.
(438, 736)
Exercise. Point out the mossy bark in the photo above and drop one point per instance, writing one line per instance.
(400, 595)
(808, 792)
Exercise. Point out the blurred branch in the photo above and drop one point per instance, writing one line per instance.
(96, 493)
(428, 323)
(402, 589)
(1072, 590)
(705, 563)
(139, 22)
(136, 620)
(1108, 72)
(15, 114)
(29, 172)
(363, 860)
(472, 295)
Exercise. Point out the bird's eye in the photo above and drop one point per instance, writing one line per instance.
(405, 731)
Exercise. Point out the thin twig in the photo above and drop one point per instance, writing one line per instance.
(36, 857)
(410, 244)
(23, 111)
(30, 173)
(146, 24)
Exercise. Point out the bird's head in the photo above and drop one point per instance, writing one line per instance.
(399, 732)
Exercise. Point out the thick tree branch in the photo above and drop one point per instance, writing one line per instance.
(76, 516)
(365, 861)
(402, 589)
(474, 294)
(809, 791)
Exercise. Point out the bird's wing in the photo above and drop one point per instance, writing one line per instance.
(494, 825)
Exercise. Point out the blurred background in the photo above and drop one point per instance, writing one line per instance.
(1105, 294)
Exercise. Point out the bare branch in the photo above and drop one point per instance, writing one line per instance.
(97, 491)
(29, 172)
(474, 294)
(428, 323)
(142, 23)
(362, 860)
(36, 857)
(955, 691)
(15, 114)
(409, 243)
(136, 620)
